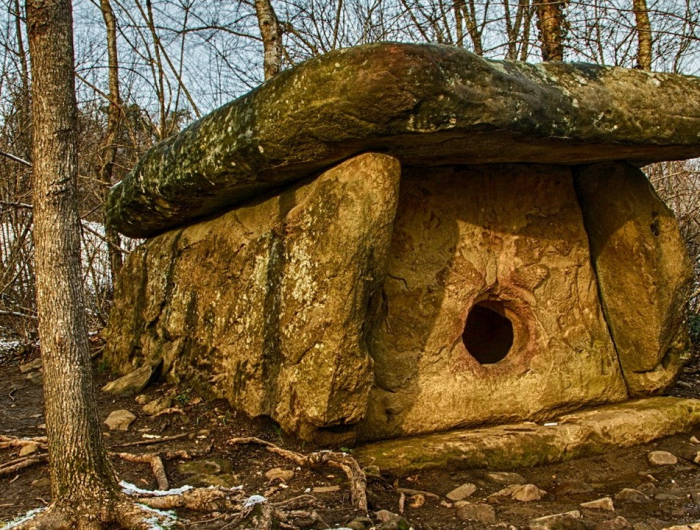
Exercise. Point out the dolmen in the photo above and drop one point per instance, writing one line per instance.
(395, 240)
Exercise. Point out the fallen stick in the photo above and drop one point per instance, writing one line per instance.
(358, 481)
(154, 461)
(153, 441)
(409, 491)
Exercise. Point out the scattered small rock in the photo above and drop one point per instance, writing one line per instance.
(631, 495)
(527, 493)
(694, 440)
(662, 458)
(395, 523)
(417, 501)
(619, 523)
(278, 473)
(119, 420)
(519, 492)
(384, 515)
(360, 523)
(604, 503)
(157, 405)
(505, 477)
(461, 492)
(132, 383)
(646, 488)
(482, 513)
(142, 399)
(28, 449)
(559, 521)
(691, 526)
(643, 526)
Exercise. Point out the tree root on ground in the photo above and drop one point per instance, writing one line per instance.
(154, 461)
(358, 481)
(8, 468)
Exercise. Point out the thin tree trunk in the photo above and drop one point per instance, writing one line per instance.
(459, 19)
(79, 466)
(109, 148)
(643, 26)
(271, 36)
(550, 21)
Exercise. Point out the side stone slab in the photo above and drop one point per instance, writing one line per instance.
(259, 307)
(643, 270)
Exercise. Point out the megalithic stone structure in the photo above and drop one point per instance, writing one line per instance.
(401, 239)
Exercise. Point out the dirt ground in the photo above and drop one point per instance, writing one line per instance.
(666, 495)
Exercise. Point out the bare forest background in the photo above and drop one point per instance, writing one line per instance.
(147, 68)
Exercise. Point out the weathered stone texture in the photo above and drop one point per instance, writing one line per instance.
(643, 271)
(585, 433)
(507, 235)
(266, 305)
(424, 104)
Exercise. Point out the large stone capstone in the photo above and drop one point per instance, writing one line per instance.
(398, 240)
(425, 105)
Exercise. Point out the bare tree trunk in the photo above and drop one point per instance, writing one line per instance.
(643, 26)
(271, 36)
(109, 148)
(79, 466)
(550, 21)
(456, 6)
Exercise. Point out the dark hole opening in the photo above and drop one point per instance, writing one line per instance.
(488, 335)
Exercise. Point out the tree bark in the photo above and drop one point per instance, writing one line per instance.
(643, 26)
(550, 21)
(109, 147)
(79, 465)
(271, 36)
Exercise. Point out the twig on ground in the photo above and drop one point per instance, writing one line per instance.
(409, 491)
(153, 441)
(358, 481)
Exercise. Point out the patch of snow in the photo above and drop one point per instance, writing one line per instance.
(22, 518)
(130, 489)
(161, 520)
(253, 500)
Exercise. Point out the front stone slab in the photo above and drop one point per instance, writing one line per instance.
(587, 433)
(491, 310)
(643, 270)
(260, 306)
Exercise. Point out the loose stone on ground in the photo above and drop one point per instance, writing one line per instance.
(560, 521)
(466, 511)
(119, 420)
(605, 503)
(461, 492)
(662, 458)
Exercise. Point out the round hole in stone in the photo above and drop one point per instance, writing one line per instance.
(488, 333)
